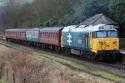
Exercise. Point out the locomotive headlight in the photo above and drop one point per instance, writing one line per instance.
(115, 48)
(115, 42)
(107, 42)
(100, 42)
(97, 40)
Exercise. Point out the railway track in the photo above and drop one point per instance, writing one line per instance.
(118, 66)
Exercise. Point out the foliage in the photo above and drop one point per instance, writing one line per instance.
(41, 13)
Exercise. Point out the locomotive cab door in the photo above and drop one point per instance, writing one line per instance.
(86, 41)
(93, 42)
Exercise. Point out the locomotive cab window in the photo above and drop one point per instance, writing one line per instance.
(105, 34)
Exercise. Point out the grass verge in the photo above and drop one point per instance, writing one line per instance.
(3, 80)
(80, 66)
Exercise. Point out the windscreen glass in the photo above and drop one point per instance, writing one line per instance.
(104, 34)
(112, 34)
(101, 34)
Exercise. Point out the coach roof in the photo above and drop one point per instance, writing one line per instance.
(16, 30)
(51, 29)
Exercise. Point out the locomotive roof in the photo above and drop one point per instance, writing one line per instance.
(16, 30)
(89, 28)
(51, 29)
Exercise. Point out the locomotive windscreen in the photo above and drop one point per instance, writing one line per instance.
(105, 34)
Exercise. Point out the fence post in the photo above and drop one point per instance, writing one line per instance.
(1, 69)
(13, 78)
(7, 75)
(24, 80)
(38, 81)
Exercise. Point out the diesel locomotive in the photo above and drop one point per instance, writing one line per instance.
(95, 42)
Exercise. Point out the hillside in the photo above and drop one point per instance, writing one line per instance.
(41, 13)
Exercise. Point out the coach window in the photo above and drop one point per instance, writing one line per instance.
(49, 34)
(43, 34)
(57, 35)
(54, 35)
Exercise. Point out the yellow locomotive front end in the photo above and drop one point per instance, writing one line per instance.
(105, 42)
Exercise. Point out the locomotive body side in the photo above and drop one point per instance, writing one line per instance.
(75, 38)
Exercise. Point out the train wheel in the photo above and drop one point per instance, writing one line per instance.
(67, 51)
(93, 58)
(118, 57)
(57, 49)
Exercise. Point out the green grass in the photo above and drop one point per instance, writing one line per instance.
(77, 65)
(3, 80)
